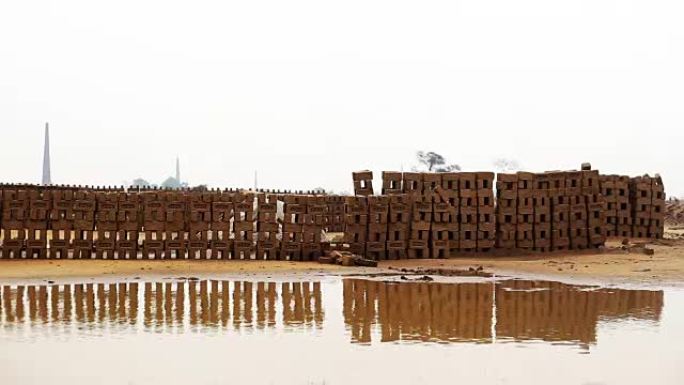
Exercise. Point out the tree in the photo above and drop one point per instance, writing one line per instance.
(140, 182)
(506, 165)
(171, 182)
(435, 162)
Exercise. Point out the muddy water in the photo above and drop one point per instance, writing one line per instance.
(338, 331)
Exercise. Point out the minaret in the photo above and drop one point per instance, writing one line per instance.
(178, 169)
(46, 158)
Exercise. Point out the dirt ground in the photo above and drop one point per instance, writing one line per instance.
(612, 265)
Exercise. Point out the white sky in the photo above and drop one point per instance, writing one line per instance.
(308, 91)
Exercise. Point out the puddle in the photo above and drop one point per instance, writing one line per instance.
(339, 331)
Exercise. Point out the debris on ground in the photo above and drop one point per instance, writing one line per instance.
(346, 259)
(470, 272)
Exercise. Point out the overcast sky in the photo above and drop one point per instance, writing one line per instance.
(307, 91)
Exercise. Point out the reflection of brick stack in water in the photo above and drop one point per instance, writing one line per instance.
(525, 210)
(268, 245)
(506, 210)
(486, 223)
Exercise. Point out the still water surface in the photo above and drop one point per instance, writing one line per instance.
(339, 331)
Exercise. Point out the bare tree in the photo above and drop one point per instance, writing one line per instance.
(435, 162)
(506, 165)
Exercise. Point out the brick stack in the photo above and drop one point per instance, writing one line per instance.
(579, 236)
(294, 209)
(378, 216)
(154, 220)
(596, 205)
(267, 244)
(486, 223)
(243, 225)
(199, 218)
(560, 211)
(61, 223)
(525, 210)
(468, 212)
(421, 221)
(448, 193)
(84, 223)
(624, 207)
(363, 183)
(129, 222)
(176, 227)
(641, 194)
(542, 212)
(356, 223)
(506, 210)
(335, 214)
(106, 224)
(412, 183)
(37, 223)
(391, 183)
(610, 196)
(15, 208)
(657, 225)
(312, 229)
(222, 213)
(398, 226)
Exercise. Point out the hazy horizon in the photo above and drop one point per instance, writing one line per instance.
(306, 92)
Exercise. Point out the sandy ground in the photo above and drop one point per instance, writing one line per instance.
(606, 267)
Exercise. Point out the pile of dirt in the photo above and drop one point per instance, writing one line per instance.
(674, 213)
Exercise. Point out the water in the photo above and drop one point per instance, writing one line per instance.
(338, 331)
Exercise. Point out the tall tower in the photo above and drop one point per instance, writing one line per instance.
(46, 158)
(178, 169)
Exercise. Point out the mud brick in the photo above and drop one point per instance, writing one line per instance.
(222, 212)
(525, 181)
(467, 238)
(268, 227)
(561, 213)
(14, 241)
(154, 214)
(639, 231)
(573, 183)
(450, 181)
(506, 236)
(291, 251)
(590, 182)
(355, 234)
(356, 205)
(265, 217)
(357, 248)
(485, 198)
(525, 219)
(439, 249)
(311, 251)
(421, 212)
(107, 210)
(269, 249)
(525, 205)
(175, 244)
(418, 249)
(597, 236)
(506, 216)
(105, 243)
(377, 233)
(376, 251)
(420, 235)
(430, 181)
(468, 215)
(39, 210)
(60, 243)
(242, 249)
(391, 182)
(507, 182)
(579, 238)
(129, 214)
(468, 198)
(542, 182)
(449, 197)
(295, 228)
(61, 215)
(560, 239)
(399, 213)
(356, 219)
(36, 244)
(221, 246)
(15, 209)
(556, 183)
(84, 210)
(127, 244)
(311, 236)
(397, 249)
(312, 220)
(82, 244)
(363, 182)
(468, 181)
(542, 236)
(413, 183)
(397, 232)
(153, 244)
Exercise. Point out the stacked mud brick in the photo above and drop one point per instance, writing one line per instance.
(560, 211)
(129, 222)
(267, 244)
(335, 214)
(448, 194)
(356, 223)
(486, 220)
(294, 210)
(542, 228)
(312, 229)
(610, 196)
(442, 215)
(199, 218)
(525, 210)
(506, 210)
(15, 207)
(243, 225)
(392, 183)
(596, 205)
(106, 224)
(468, 212)
(84, 209)
(378, 216)
(648, 203)
(222, 213)
(578, 225)
(398, 226)
(421, 216)
(363, 183)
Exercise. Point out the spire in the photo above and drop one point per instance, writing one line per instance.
(46, 158)
(178, 169)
